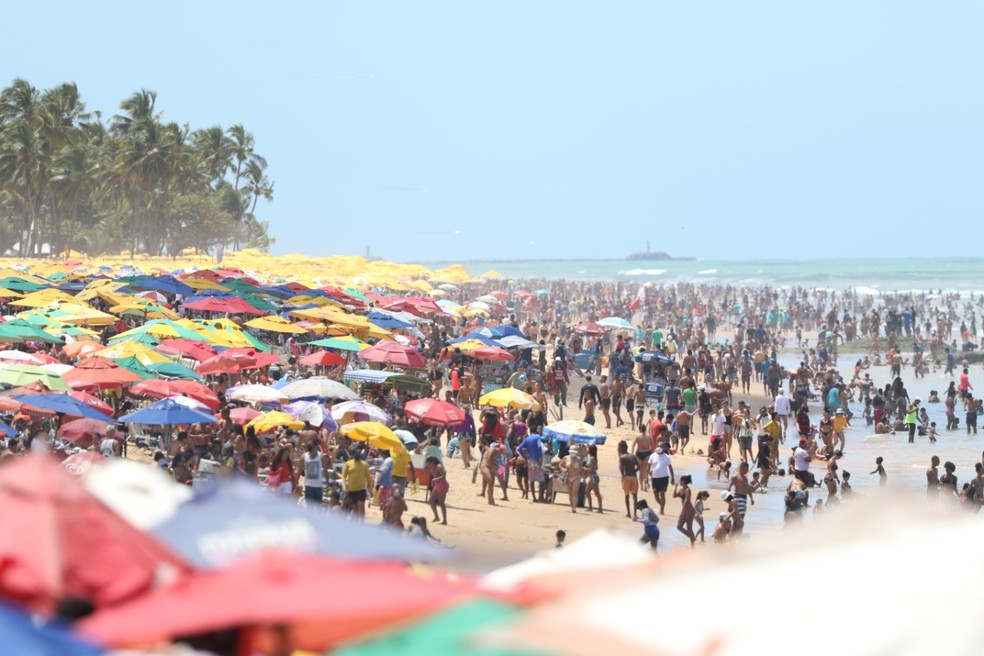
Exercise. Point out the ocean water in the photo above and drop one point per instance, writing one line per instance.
(869, 275)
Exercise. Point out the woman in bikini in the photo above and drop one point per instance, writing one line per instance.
(687, 512)
(592, 478)
(831, 479)
(439, 487)
(572, 467)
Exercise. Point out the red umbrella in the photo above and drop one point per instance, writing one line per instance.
(492, 354)
(416, 304)
(225, 363)
(394, 353)
(322, 359)
(67, 543)
(282, 596)
(79, 463)
(434, 412)
(261, 359)
(228, 305)
(93, 402)
(242, 416)
(82, 430)
(189, 347)
(98, 372)
(589, 328)
(162, 389)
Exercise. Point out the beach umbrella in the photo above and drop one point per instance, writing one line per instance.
(469, 344)
(131, 349)
(230, 305)
(83, 430)
(268, 421)
(189, 402)
(311, 412)
(323, 359)
(96, 372)
(232, 519)
(162, 389)
(256, 394)
(143, 495)
(23, 635)
(62, 404)
(434, 412)
(7, 431)
(589, 328)
(448, 633)
(378, 435)
(18, 330)
(261, 359)
(393, 353)
(350, 411)
(275, 324)
(347, 343)
(242, 416)
(67, 543)
(616, 322)
(295, 610)
(319, 387)
(509, 397)
(18, 375)
(165, 283)
(81, 349)
(167, 412)
(79, 463)
(173, 370)
(388, 321)
(224, 363)
(574, 431)
(192, 348)
(143, 309)
(12, 357)
(492, 354)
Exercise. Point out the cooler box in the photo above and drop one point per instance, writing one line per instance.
(585, 360)
(422, 477)
(655, 389)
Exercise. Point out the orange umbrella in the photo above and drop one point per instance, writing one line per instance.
(225, 363)
(156, 388)
(322, 359)
(97, 372)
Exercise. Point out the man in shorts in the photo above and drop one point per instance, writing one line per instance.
(661, 471)
(628, 467)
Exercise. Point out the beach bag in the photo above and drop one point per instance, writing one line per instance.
(273, 480)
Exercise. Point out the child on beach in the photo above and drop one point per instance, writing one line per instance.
(723, 528)
(880, 470)
(932, 431)
(699, 512)
(561, 536)
(650, 533)
(725, 470)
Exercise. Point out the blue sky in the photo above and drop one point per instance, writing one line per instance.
(464, 130)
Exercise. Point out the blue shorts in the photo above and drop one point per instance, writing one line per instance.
(316, 494)
(652, 532)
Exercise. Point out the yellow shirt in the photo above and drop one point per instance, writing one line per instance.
(401, 462)
(840, 423)
(355, 473)
(773, 429)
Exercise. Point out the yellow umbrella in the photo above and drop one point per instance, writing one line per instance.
(492, 274)
(469, 345)
(146, 310)
(275, 324)
(268, 421)
(9, 293)
(83, 314)
(378, 435)
(203, 283)
(509, 397)
(132, 348)
(41, 298)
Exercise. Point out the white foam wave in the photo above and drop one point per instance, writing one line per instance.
(706, 272)
(642, 272)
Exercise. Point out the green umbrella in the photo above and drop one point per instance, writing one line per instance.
(173, 370)
(242, 286)
(18, 375)
(136, 366)
(340, 344)
(21, 285)
(260, 303)
(355, 293)
(446, 634)
(18, 330)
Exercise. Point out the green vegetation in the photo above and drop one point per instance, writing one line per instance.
(135, 183)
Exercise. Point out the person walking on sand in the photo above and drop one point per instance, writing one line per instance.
(685, 524)
(572, 467)
(661, 470)
(488, 466)
(782, 408)
(742, 490)
(628, 467)
(439, 487)
(643, 447)
(592, 479)
(605, 400)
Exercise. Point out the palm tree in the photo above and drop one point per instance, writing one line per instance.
(20, 122)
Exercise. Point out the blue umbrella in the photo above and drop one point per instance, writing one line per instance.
(574, 431)
(233, 519)
(23, 637)
(387, 321)
(167, 412)
(485, 340)
(7, 431)
(486, 333)
(166, 284)
(62, 403)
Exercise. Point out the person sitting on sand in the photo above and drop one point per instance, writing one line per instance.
(723, 529)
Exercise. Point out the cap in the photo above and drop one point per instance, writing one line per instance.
(916, 400)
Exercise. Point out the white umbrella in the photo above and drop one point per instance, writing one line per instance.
(189, 402)
(15, 357)
(408, 438)
(142, 494)
(356, 408)
(319, 387)
(448, 287)
(257, 394)
(616, 322)
(57, 368)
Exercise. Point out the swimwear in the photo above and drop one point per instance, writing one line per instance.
(643, 455)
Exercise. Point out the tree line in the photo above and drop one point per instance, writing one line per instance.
(70, 180)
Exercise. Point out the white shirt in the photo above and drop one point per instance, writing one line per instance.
(313, 469)
(659, 465)
(800, 456)
(717, 424)
(782, 404)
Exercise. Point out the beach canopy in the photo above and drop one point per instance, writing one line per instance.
(268, 421)
(281, 595)
(575, 432)
(378, 435)
(19, 375)
(322, 359)
(67, 542)
(157, 388)
(509, 397)
(256, 394)
(394, 353)
(318, 387)
(167, 412)
(233, 519)
(62, 404)
(350, 411)
(23, 635)
(434, 412)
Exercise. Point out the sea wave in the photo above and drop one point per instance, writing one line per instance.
(706, 272)
(642, 272)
